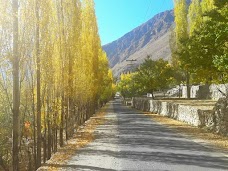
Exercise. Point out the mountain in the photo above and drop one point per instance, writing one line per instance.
(151, 38)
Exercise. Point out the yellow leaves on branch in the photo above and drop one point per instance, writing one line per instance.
(73, 64)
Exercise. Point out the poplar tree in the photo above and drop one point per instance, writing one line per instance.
(207, 5)
(181, 34)
(180, 13)
(194, 16)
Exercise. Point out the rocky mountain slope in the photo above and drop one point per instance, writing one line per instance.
(151, 38)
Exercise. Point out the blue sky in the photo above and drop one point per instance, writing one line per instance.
(117, 17)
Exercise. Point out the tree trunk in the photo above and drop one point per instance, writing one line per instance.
(179, 93)
(66, 122)
(44, 139)
(62, 122)
(34, 123)
(53, 140)
(16, 95)
(56, 139)
(63, 55)
(39, 141)
(70, 94)
(49, 131)
(187, 84)
(152, 94)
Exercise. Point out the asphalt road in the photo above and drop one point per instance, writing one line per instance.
(131, 141)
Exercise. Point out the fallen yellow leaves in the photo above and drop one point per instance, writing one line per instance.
(199, 133)
(82, 138)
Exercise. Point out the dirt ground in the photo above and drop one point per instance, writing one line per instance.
(83, 137)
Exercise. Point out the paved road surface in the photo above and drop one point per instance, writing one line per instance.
(130, 141)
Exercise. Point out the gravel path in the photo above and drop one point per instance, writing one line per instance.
(131, 141)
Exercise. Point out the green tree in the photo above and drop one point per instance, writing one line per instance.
(125, 86)
(219, 19)
(154, 75)
(207, 46)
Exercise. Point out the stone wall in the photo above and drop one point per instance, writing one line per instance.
(211, 115)
(142, 104)
(205, 91)
(215, 93)
(220, 124)
(127, 101)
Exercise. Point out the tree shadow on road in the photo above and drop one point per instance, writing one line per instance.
(139, 139)
(73, 167)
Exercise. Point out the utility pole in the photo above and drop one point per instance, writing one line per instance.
(131, 62)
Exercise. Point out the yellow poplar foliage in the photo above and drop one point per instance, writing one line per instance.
(207, 5)
(180, 13)
(75, 76)
(195, 16)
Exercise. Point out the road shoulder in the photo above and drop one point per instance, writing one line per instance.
(199, 135)
(83, 136)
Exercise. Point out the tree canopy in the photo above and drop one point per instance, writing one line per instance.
(204, 51)
(149, 77)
